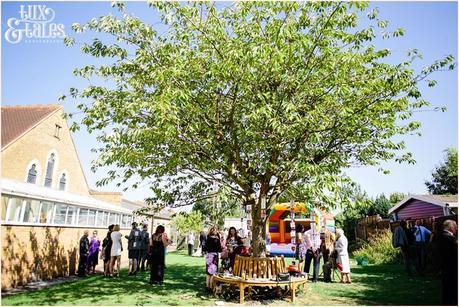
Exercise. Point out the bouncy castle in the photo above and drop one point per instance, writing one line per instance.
(285, 218)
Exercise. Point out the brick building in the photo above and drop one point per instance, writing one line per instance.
(46, 203)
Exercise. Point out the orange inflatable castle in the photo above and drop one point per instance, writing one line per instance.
(282, 224)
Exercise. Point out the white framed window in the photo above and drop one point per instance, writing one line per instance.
(27, 210)
(83, 217)
(14, 210)
(113, 218)
(31, 211)
(126, 220)
(101, 218)
(60, 212)
(46, 212)
(91, 218)
(71, 218)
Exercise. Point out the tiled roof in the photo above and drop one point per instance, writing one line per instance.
(16, 120)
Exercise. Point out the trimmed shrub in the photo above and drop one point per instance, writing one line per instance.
(355, 245)
(379, 250)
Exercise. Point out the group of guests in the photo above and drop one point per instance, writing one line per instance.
(413, 245)
(314, 243)
(143, 251)
(216, 243)
(413, 241)
(89, 253)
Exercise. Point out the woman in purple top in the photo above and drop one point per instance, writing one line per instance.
(94, 246)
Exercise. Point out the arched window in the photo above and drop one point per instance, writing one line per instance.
(32, 174)
(49, 171)
(62, 182)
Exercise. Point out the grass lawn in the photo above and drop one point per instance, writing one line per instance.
(185, 280)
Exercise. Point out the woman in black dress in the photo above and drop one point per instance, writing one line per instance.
(232, 242)
(158, 244)
(106, 248)
(212, 248)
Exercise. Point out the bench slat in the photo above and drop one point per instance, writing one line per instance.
(266, 267)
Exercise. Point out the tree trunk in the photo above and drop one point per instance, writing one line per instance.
(258, 230)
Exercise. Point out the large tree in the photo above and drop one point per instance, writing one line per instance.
(259, 97)
(444, 177)
(222, 204)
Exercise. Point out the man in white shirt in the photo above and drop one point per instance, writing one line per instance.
(190, 242)
(312, 243)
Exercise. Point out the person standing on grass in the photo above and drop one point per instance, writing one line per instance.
(422, 236)
(144, 247)
(106, 249)
(212, 248)
(326, 247)
(233, 240)
(202, 241)
(134, 245)
(301, 246)
(115, 252)
(447, 250)
(84, 251)
(190, 242)
(93, 257)
(343, 256)
(313, 253)
(400, 238)
(299, 242)
(158, 243)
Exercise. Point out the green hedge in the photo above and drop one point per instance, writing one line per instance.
(379, 250)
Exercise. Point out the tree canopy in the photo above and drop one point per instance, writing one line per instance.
(444, 177)
(259, 97)
(222, 204)
(186, 222)
(395, 197)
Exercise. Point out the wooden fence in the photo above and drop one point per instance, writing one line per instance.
(370, 226)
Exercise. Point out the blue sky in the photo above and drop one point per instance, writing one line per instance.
(37, 73)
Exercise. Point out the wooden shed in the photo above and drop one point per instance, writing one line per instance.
(424, 206)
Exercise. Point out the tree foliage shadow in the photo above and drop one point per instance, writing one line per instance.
(14, 260)
(39, 259)
(390, 285)
(185, 282)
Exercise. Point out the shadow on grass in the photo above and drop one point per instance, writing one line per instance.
(185, 279)
(183, 284)
(386, 285)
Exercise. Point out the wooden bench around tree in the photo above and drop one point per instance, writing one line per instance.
(255, 267)
(251, 272)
